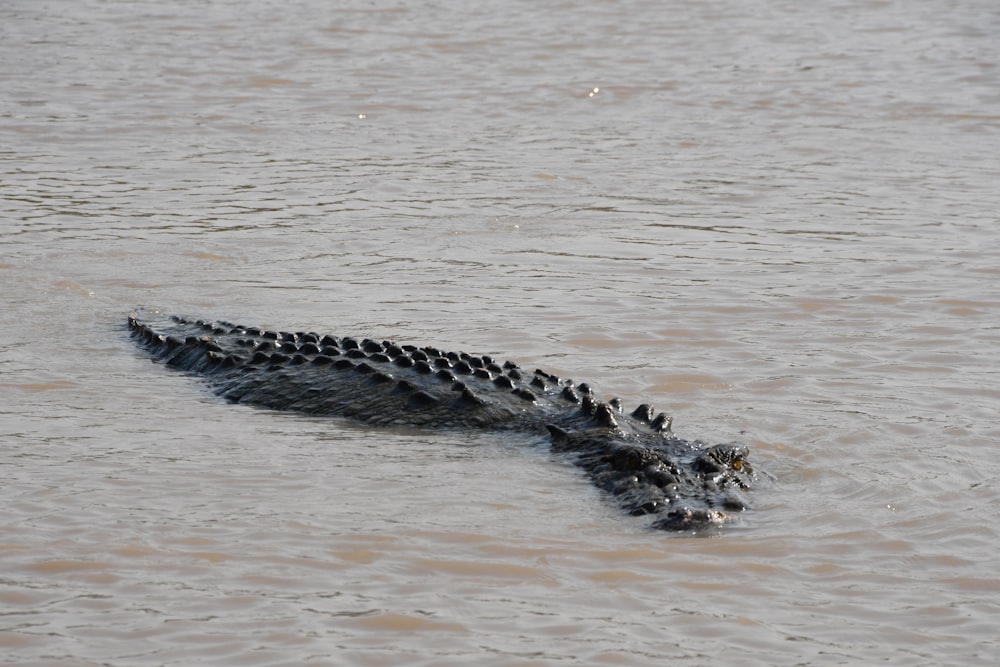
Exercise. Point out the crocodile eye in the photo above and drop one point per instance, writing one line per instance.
(737, 464)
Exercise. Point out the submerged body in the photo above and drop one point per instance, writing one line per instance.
(632, 455)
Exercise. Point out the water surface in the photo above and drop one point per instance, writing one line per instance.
(776, 221)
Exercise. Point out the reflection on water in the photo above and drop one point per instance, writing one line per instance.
(776, 222)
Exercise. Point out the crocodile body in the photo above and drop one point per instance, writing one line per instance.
(633, 455)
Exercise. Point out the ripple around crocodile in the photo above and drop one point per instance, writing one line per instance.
(634, 456)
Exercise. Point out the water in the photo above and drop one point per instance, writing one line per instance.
(778, 221)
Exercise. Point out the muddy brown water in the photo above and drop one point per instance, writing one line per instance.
(776, 220)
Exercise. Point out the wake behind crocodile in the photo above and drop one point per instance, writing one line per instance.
(632, 455)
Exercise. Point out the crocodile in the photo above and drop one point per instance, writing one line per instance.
(634, 456)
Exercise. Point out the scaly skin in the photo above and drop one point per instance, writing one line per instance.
(633, 456)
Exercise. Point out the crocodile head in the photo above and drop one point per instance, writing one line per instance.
(690, 487)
